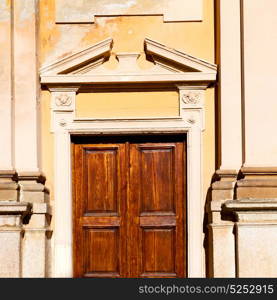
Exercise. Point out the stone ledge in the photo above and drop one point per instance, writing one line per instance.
(257, 183)
(13, 207)
(7, 174)
(223, 185)
(259, 170)
(250, 205)
(226, 173)
(251, 211)
(31, 176)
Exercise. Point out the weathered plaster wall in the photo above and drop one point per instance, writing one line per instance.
(58, 40)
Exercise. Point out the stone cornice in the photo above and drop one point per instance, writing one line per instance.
(170, 66)
(250, 205)
(159, 50)
(14, 207)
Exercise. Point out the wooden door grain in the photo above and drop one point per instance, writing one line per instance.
(99, 210)
(129, 208)
(157, 207)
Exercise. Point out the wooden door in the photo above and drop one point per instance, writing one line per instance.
(129, 207)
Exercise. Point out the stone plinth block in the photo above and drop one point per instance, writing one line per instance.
(256, 236)
(222, 252)
(11, 214)
(10, 241)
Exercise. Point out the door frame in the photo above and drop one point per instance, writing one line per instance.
(65, 124)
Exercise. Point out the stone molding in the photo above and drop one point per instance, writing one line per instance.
(158, 50)
(8, 186)
(14, 207)
(249, 182)
(257, 182)
(170, 67)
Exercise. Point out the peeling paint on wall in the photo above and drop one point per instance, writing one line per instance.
(69, 40)
(115, 6)
(26, 9)
(128, 32)
(5, 13)
(85, 11)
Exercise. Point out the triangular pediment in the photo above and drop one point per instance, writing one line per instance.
(82, 60)
(165, 56)
(89, 66)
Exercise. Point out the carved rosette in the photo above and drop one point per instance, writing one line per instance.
(191, 98)
(63, 100)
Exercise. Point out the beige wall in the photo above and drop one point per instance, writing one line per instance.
(260, 88)
(136, 104)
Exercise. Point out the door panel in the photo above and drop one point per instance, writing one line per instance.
(101, 248)
(158, 252)
(157, 204)
(129, 206)
(156, 177)
(99, 210)
(101, 165)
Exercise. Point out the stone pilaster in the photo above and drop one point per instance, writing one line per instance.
(221, 238)
(34, 244)
(34, 256)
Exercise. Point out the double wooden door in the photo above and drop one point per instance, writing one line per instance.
(129, 207)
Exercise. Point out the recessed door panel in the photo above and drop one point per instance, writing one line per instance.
(101, 166)
(157, 178)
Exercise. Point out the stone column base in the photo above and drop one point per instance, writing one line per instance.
(11, 215)
(256, 236)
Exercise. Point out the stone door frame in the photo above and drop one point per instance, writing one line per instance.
(65, 124)
(83, 70)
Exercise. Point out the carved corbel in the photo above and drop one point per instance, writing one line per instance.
(191, 105)
(63, 101)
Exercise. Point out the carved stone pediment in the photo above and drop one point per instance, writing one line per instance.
(168, 66)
